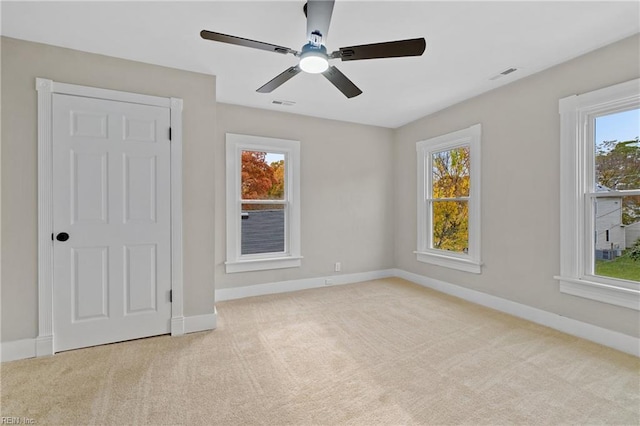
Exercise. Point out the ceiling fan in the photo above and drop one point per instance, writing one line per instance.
(313, 56)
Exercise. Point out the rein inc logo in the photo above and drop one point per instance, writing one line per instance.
(6, 420)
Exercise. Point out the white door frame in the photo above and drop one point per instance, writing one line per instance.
(46, 88)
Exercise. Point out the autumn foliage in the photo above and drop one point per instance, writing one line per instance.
(450, 178)
(260, 180)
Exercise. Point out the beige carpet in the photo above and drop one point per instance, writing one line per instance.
(380, 352)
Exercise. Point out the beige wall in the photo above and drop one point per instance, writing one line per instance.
(520, 185)
(347, 172)
(346, 187)
(22, 62)
(358, 182)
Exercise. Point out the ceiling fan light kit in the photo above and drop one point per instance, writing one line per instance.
(313, 58)
(313, 55)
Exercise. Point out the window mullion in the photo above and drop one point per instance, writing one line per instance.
(253, 201)
(450, 199)
(614, 194)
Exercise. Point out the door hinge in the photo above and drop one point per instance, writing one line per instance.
(169, 133)
(170, 296)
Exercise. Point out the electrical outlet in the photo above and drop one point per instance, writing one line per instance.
(338, 267)
(328, 281)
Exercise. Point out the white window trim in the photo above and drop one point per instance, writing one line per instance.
(470, 262)
(291, 258)
(577, 112)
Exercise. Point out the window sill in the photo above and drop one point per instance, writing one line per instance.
(248, 265)
(451, 262)
(614, 295)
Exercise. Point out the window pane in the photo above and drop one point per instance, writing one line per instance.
(263, 229)
(617, 151)
(450, 221)
(617, 222)
(450, 173)
(263, 175)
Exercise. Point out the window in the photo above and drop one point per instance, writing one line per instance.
(449, 200)
(600, 195)
(263, 203)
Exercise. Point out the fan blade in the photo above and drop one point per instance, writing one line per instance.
(389, 49)
(343, 84)
(224, 38)
(280, 80)
(319, 17)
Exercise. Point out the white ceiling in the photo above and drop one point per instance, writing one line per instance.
(467, 44)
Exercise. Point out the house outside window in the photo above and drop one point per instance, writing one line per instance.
(600, 195)
(263, 203)
(449, 200)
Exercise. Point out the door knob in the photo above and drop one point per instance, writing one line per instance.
(63, 236)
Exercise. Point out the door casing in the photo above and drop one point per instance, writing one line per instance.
(46, 88)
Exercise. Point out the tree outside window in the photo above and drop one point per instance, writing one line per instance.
(261, 179)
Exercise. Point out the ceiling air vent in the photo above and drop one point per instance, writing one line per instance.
(503, 73)
(284, 103)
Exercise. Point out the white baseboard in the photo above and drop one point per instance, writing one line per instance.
(197, 323)
(38, 347)
(603, 336)
(26, 348)
(18, 349)
(296, 285)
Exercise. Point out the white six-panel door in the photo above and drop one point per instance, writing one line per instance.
(111, 195)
